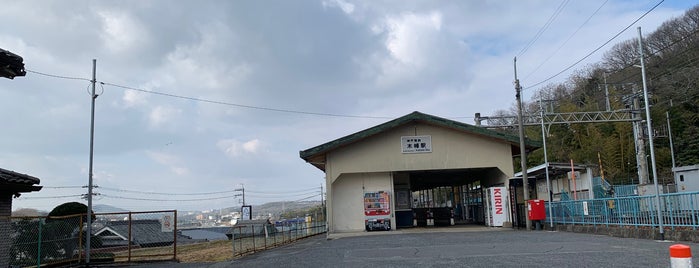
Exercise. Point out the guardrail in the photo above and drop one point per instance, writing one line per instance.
(678, 210)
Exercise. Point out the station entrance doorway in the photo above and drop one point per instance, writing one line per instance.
(442, 197)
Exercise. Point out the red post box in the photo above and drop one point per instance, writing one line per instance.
(536, 209)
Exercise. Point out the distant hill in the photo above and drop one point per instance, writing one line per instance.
(274, 209)
(101, 208)
(28, 212)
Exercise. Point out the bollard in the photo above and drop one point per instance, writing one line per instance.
(680, 256)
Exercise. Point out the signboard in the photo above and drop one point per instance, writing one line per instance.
(498, 209)
(416, 144)
(167, 224)
(246, 213)
(377, 211)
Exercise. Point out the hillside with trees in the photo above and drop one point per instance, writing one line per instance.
(671, 55)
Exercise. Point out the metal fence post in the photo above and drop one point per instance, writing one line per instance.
(253, 238)
(38, 244)
(174, 234)
(130, 239)
(233, 241)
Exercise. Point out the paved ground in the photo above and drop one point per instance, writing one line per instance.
(460, 247)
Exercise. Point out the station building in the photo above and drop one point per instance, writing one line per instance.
(417, 170)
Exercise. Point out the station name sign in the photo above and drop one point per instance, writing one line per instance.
(416, 144)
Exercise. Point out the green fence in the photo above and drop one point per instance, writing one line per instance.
(677, 210)
(116, 237)
(252, 238)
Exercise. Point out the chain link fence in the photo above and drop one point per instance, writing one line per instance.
(250, 237)
(37, 241)
(116, 237)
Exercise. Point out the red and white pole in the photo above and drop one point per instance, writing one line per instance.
(680, 256)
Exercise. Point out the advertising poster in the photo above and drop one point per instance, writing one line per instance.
(377, 211)
(498, 208)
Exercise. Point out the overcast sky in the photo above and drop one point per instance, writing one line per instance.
(360, 59)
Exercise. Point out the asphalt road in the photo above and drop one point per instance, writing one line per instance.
(454, 248)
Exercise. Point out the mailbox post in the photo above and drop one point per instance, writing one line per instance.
(536, 210)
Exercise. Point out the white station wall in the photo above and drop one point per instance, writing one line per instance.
(367, 166)
(348, 199)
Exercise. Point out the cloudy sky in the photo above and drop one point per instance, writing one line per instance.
(245, 85)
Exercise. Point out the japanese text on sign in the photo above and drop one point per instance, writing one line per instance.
(416, 144)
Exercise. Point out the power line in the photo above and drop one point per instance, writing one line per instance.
(566, 41)
(597, 49)
(284, 192)
(102, 83)
(163, 200)
(51, 197)
(243, 105)
(544, 27)
(62, 187)
(58, 76)
(306, 198)
(290, 195)
(160, 193)
(687, 50)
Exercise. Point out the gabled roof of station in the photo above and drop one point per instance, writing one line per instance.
(316, 155)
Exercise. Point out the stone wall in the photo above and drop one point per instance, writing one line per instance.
(641, 232)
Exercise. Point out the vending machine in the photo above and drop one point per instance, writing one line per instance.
(496, 206)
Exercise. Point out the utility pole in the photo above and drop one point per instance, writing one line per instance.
(522, 145)
(650, 135)
(322, 202)
(669, 134)
(241, 189)
(606, 92)
(640, 145)
(93, 96)
(546, 159)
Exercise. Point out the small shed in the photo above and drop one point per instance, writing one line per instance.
(144, 233)
(12, 184)
(248, 228)
(687, 178)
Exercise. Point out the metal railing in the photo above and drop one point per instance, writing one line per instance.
(678, 210)
(253, 238)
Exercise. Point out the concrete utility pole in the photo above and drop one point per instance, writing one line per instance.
(606, 92)
(241, 189)
(522, 146)
(650, 136)
(546, 159)
(93, 96)
(639, 142)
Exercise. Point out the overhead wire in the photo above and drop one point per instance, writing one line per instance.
(244, 105)
(543, 28)
(50, 197)
(651, 54)
(596, 49)
(161, 193)
(165, 200)
(566, 41)
(272, 109)
(58, 76)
